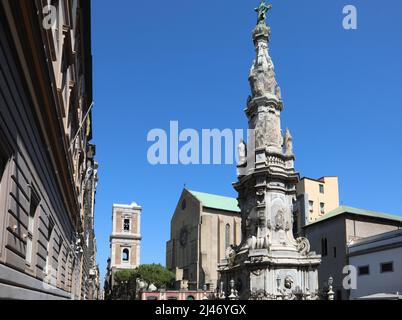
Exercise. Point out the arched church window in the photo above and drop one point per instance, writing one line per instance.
(126, 255)
(227, 236)
(324, 247)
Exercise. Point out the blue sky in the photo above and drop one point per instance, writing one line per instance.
(158, 61)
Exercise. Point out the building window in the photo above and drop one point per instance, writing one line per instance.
(387, 267)
(322, 188)
(311, 206)
(364, 270)
(324, 247)
(2, 169)
(186, 274)
(33, 208)
(322, 207)
(126, 225)
(183, 204)
(227, 236)
(334, 252)
(48, 270)
(126, 255)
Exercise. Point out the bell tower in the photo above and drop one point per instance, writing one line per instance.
(125, 240)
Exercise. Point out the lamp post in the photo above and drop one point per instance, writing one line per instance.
(204, 289)
(233, 294)
(331, 293)
(221, 294)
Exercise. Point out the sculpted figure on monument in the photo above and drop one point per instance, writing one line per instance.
(288, 143)
(273, 134)
(280, 220)
(231, 254)
(262, 74)
(242, 150)
(288, 282)
(262, 11)
(261, 134)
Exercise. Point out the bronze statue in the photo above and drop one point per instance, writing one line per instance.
(262, 11)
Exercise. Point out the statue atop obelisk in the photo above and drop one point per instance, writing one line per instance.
(270, 263)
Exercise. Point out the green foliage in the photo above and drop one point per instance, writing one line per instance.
(124, 275)
(155, 274)
(126, 280)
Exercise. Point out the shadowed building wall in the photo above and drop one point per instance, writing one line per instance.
(47, 169)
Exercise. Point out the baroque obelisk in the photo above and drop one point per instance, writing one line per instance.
(270, 263)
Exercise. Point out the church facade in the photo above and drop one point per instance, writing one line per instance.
(203, 227)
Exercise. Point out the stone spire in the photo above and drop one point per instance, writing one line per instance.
(262, 73)
(269, 260)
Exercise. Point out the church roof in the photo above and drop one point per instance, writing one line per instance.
(355, 211)
(216, 202)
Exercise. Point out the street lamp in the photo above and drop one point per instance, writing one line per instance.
(331, 293)
(221, 293)
(232, 284)
(233, 295)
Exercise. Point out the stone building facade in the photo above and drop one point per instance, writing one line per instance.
(203, 227)
(333, 233)
(47, 166)
(378, 263)
(315, 198)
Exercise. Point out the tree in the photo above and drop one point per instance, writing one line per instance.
(126, 280)
(155, 274)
